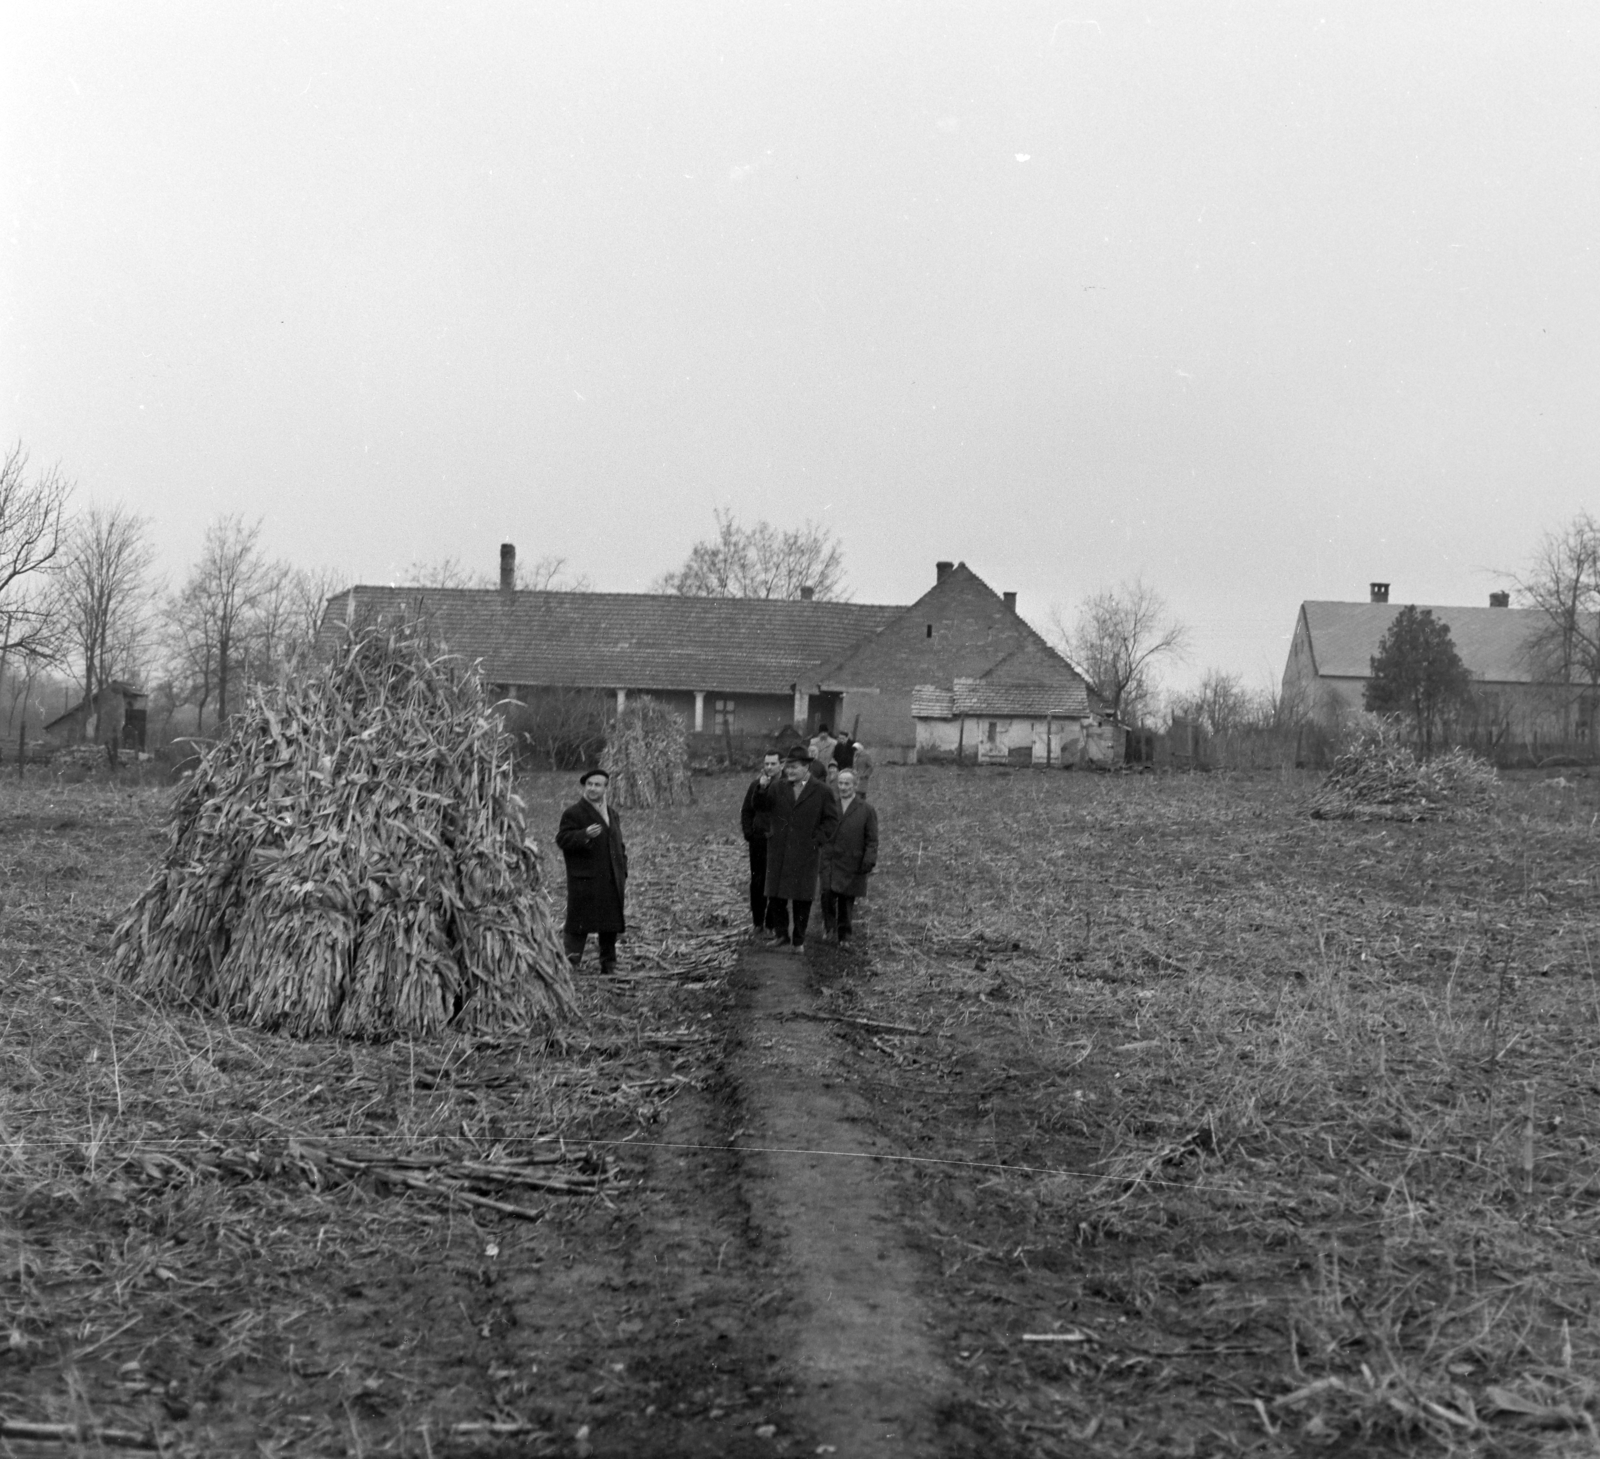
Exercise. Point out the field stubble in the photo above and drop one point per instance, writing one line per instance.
(1280, 1134)
(227, 1241)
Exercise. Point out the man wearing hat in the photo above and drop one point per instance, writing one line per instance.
(804, 813)
(590, 837)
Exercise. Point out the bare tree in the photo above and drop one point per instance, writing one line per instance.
(1563, 583)
(221, 605)
(1220, 703)
(103, 594)
(31, 527)
(1118, 636)
(760, 562)
(309, 591)
(544, 574)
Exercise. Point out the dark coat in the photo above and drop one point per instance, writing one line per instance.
(754, 821)
(597, 869)
(803, 818)
(852, 852)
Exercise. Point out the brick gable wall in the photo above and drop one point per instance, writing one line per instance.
(972, 631)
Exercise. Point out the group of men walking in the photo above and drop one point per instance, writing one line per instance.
(805, 819)
(809, 830)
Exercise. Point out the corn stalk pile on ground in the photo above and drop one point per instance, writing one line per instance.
(1379, 779)
(647, 756)
(350, 858)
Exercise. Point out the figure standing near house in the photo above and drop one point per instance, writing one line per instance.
(822, 745)
(803, 818)
(757, 826)
(848, 859)
(590, 838)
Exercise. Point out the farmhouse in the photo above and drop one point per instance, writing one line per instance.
(1031, 708)
(1514, 702)
(960, 633)
(743, 670)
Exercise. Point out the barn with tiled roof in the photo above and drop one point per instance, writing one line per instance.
(739, 669)
(1516, 699)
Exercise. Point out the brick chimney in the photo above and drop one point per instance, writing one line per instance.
(942, 570)
(508, 567)
(1380, 592)
(1011, 602)
(1499, 600)
(807, 594)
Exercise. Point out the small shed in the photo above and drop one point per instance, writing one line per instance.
(117, 716)
(1027, 710)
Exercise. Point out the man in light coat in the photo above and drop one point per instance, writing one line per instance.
(803, 817)
(848, 859)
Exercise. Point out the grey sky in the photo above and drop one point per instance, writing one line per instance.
(1264, 300)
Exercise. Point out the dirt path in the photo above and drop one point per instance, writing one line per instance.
(866, 1370)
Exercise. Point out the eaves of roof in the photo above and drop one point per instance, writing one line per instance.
(629, 640)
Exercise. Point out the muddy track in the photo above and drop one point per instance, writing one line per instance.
(867, 1375)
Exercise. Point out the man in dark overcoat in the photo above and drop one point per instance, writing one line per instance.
(590, 837)
(803, 817)
(848, 859)
(757, 825)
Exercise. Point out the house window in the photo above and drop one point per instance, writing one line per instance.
(722, 716)
(994, 731)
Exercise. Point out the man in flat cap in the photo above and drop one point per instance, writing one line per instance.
(590, 837)
(804, 814)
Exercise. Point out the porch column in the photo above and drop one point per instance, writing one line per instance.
(622, 700)
(699, 710)
(802, 703)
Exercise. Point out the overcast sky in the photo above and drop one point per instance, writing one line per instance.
(1262, 300)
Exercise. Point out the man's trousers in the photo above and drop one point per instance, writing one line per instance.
(778, 910)
(836, 913)
(760, 913)
(574, 943)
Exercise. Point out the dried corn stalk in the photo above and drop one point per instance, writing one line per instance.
(1380, 778)
(350, 858)
(647, 756)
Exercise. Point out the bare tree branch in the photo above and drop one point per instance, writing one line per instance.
(31, 527)
(760, 562)
(103, 593)
(1118, 636)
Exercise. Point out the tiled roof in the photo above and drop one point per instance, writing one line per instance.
(1022, 701)
(1492, 642)
(631, 640)
(928, 701)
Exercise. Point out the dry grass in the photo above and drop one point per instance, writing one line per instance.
(1308, 1108)
(226, 1236)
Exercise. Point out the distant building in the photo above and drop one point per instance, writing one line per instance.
(957, 640)
(743, 671)
(1032, 708)
(118, 715)
(1516, 702)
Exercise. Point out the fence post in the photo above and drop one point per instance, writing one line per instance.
(22, 745)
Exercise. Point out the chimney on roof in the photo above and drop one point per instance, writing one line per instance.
(1380, 592)
(941, 571)
(807, 594)
(1011, 601)
(508, 567)
(1499, 600)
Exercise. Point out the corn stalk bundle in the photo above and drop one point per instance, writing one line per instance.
(647, 756)
(350, 858)
(1380, 778)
